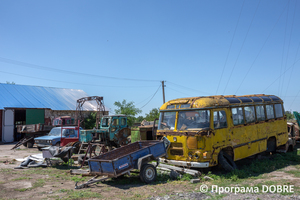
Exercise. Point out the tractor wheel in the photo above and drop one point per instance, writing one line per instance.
(30, 144)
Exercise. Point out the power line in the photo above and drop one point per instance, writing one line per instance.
(144, 100)
(290, 41)
(179, 91)
(15, 62)
(230, 46)
(260, 50)
(71, 82)
(151, 97)
(189, 88)
(241, 48)
(281, 75)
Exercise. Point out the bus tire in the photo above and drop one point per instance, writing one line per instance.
(226, 162)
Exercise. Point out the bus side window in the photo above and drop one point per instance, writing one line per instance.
(278, 110)
(260, 113)
(270, 111)
(249, 114)
(220, 120)
(237, 115)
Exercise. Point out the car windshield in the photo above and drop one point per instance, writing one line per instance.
(56, 132)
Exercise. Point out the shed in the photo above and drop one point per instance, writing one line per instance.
(22, 104)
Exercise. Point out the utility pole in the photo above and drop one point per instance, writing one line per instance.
(163, 90)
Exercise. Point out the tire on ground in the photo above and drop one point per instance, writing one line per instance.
(30, 144)
(226, 162)
(81, 157)
(148, 173)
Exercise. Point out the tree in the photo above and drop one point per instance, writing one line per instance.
(90, 121)
(289, 115)
(153, 114)
(127, 109)
(139, 119)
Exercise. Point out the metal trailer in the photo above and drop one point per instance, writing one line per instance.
(122, 160)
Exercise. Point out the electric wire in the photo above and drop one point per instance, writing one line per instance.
(294, 99)
(77, 83)
(189, 88)
(144, 100)
(260, 51)
(179, 91)
(151, 97)
(230, 47)
(15, 62)
(241, 47)
(292, 71)
(290, 40)
(281, 75)
(286, 23)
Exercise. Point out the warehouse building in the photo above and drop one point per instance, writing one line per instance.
(21, 104)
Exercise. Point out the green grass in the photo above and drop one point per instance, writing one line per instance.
(296, 173)
(21, 178)
(79, 194)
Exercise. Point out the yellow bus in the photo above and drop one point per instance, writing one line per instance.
(212, 130)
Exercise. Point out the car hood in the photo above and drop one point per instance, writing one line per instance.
(46, 137)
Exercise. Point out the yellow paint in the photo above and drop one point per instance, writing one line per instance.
(244, 140)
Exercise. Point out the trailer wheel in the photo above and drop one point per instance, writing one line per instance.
(148, 173)
(30, 144)
(226, 162)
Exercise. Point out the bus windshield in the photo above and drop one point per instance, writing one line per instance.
(197, 119)
(187, 120)
(167, 121)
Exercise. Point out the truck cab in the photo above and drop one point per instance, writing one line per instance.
(58, 136)
(114, 129)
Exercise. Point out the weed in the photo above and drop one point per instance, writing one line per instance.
(296, 173)
(78, 178)
(186, 177)
(21, 178)
(82, 194)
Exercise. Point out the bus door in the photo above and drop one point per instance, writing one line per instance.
(222, 136)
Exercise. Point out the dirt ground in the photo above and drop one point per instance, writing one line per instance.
(56, 182)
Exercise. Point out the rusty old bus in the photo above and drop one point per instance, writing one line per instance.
(207, 131)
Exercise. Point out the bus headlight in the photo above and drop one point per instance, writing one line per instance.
(190, 154)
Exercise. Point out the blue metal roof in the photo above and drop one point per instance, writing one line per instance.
(23, 96)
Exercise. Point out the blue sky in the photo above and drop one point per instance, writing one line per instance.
(124, 49)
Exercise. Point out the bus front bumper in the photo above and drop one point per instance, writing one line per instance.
(185, 163)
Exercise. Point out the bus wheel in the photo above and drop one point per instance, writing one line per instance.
(226, 162)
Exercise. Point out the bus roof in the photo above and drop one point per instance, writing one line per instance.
(218, 101)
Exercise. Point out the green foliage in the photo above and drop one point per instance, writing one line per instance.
(153, 114)
(139, 119)
(289, 115)
(127, 109)
(90, 122)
